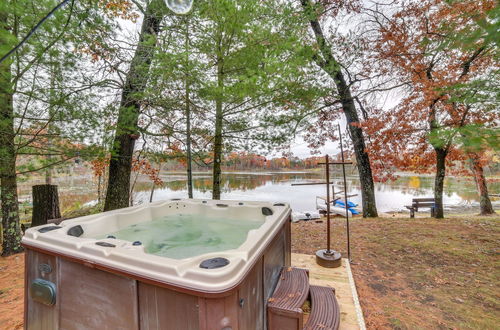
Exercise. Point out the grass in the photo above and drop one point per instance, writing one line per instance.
(419, 273)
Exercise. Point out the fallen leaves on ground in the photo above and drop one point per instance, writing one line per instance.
(418, 273)
(12, 292)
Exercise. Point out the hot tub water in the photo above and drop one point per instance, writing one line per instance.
(187, 235)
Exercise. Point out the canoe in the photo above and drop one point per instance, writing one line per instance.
(333, 210)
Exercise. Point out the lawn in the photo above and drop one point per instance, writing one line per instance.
(419, 273)
(410, 273)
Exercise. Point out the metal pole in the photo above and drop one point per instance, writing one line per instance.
(327, 165)
(345, 197)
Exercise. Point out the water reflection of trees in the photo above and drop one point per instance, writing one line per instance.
(423, 186)
(240, 181)
(79, 189)
(408, 185)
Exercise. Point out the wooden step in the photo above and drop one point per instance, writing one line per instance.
(284, 307)
(325, 312)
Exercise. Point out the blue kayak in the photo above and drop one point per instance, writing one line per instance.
(342, 204)
(354, 211)
(350, 204)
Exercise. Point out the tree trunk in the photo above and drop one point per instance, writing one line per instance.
(8, 188)
(188, 121)
(188, 154)
(120, 165)
(329, 64)
(482, 188)
(99, 179)
(50, 130)
(216, 188)
(362, 158)
(151, 194)
(153, 185)
(439, 181)
(11, 228)
(132, 188)
(45, 204)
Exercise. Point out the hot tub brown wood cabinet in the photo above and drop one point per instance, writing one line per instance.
(92, 295)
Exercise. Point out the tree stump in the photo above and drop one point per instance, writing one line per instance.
(45, 204)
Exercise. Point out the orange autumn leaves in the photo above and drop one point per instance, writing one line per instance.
(99, 165)
(411, 44)
(119, 8)
(142, 166)
(122, 9)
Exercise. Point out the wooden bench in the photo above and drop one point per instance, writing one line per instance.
(417, 203)
(325, 312)
(284, 307)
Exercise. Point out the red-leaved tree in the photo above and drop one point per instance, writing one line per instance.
(424, 131)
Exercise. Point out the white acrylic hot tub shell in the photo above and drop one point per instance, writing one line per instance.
(185, 273)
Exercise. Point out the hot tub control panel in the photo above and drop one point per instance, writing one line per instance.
(43, 291)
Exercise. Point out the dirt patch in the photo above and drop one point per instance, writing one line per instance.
(12, 292)
(418, 273)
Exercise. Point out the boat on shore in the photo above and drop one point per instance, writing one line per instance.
(337, 206)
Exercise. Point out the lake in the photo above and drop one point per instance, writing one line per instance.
(460, 193)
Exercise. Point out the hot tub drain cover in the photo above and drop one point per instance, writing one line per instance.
(214, 263)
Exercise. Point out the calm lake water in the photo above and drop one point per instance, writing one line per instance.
(460, 193)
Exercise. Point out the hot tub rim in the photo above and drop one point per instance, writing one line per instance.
(218, 293)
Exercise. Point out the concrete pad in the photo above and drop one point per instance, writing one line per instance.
(351, 316)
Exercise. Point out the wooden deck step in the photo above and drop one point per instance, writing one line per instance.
(325, 312)
(284, 307)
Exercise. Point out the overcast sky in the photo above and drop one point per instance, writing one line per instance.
(300, 149)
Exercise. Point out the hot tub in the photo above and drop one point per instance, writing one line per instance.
(178, 264)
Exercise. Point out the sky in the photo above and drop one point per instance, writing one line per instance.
(299, 148)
